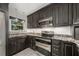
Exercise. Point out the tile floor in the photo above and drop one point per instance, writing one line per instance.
(28, 52)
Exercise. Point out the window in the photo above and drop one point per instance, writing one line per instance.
(16, 24)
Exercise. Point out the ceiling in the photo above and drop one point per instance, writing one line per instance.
(29, 8)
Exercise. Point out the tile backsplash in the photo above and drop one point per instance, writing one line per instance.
(63, 30)
(57, 30)
(68, 30)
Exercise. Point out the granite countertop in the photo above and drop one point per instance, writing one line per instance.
(24, 34)
(56, 36)
(63, 37)
(66, 38)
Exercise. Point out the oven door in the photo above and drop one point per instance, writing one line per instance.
(43, 46)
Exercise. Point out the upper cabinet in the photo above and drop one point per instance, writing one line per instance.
(35, 20)
(45, 17)
(41, 18)
(32, 21)
(53, 15)
(45, 12)
(76, 13)
(63, 14)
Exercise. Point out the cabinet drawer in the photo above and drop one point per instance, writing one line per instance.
(56, 46)
(56, 51)
(54, 41)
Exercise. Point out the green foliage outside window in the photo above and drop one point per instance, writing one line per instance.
(16, 24)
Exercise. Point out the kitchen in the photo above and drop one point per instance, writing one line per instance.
(39, 29)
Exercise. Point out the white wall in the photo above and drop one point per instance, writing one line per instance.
(63, 30)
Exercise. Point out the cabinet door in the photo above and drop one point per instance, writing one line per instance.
(56, 47)
(12, 46)
(45, 16)
(68, 49)
(16, 44)
(33, 42)
(62, 15)
(29, 41)
(45, 12)
(54, 14)
(76, 13)
(35, 20)
(29, 21)
(41, 14)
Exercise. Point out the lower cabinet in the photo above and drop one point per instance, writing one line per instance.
(69, 49)
(31, 41)
(15, 45)
(56, 48)
(63, 48)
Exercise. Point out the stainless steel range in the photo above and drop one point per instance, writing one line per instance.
(43, 44)
(47, 34)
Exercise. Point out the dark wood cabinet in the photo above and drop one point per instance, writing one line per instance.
(62, 14)
(45, 17)
(69, 49)
(16, 44)
(63, 48)
(40, 18)
(76, 13)
(11, 47)
(57, 14)
(33, 20)
(30, 21)
(45, 12)
(56, 48)
(31, 41)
